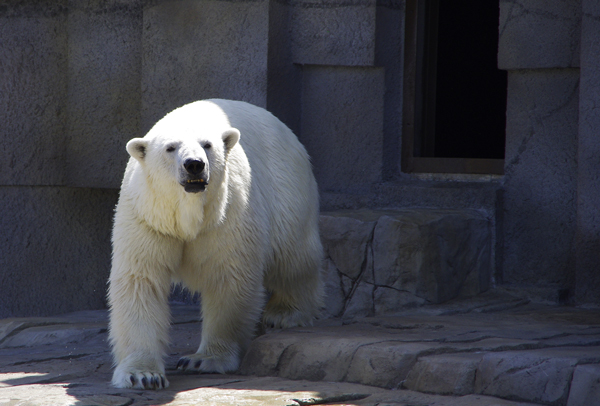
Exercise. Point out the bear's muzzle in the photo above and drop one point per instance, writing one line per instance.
(196, 176)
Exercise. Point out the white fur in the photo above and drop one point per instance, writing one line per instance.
(254, 227)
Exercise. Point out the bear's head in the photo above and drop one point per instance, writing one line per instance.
(188, 153)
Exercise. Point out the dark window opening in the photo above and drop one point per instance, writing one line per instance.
(455, 96)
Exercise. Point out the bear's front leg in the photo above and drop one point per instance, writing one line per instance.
(139, 322)
(139, 311)
(230, 313)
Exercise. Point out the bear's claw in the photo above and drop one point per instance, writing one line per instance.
(222, 364)
(148, 380)
(182, 363)
(185, 363)
(141, 380)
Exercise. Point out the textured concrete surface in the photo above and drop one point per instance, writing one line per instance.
(195, 50)
(33, 93)
(588, 181)
(540, 182)
(320, 38)
(539, 34)
(55, 249)
(104, 76)
(347, 117)
(382, 261)
(489, 350)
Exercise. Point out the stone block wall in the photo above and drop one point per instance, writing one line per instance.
(82, 78)
(79, 79)
(64, 111)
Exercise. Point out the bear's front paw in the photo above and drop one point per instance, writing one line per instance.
(140, 372)
(209, 364)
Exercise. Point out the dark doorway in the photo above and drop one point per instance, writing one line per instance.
(457, 91)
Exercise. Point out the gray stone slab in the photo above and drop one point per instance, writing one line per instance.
(585, 387)
(540, 177)
(346, 238)
(380, 261)
(333, 32)
(342, 108)
(587, 250)
(539, 34)
(33, 94)
(64, 267)
(104, 92)
(384, 364)
(44, 335)
(542, 376)
(448, 374)
(198, 50)
(435, 255)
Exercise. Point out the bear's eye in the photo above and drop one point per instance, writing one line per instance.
(207, 145)
(170, 148)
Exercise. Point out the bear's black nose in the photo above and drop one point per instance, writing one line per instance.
(193, 166)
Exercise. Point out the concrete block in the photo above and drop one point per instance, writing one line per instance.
(33, 93)
(333, 32)
(342, 125)
(264, 353)
(55, 249)
(540, 177)
(382, 261)
(436, 255)
(104, 92)
(328, 361)
(585, 387)
(535, 376)
(539, 34)
(346, 238)
(203, 49)
(448, 374)
(385, 365)
(588, 183)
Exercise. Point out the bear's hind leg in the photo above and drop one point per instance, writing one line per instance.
(296, 290)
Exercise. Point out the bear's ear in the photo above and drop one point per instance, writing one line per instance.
(137, 148)
(230, 138)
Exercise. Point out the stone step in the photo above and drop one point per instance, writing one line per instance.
(381, 261)
(518, 356)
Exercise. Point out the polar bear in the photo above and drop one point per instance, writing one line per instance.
(219, 196)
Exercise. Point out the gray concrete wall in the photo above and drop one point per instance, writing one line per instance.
(202, 49)
(69, 99)
(539, 47)
(104, 75)
(33, 94)
(588, 179)
(540, 182)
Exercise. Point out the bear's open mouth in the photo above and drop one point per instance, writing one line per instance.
(195, 185)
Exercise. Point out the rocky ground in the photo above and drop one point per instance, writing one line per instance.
(491, 350)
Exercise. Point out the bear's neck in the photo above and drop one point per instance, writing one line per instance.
(180, 214)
